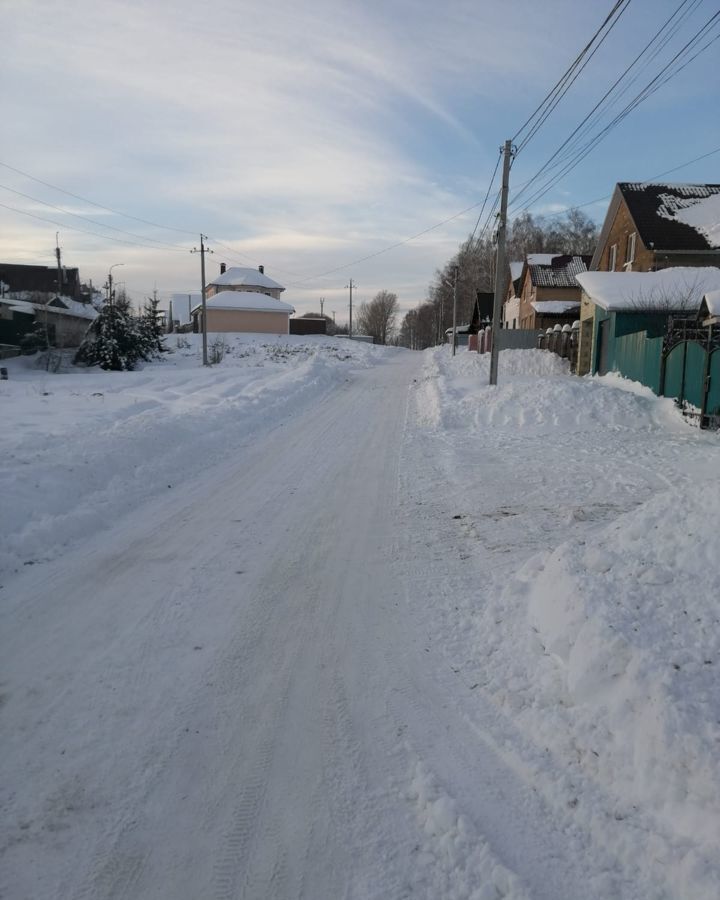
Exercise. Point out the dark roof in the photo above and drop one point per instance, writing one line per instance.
(652, 207)
(40, 279)
(560, 273)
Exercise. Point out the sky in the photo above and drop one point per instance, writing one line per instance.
(306, 137)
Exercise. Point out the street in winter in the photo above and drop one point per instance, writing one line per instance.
(328, 621)
(359, 450)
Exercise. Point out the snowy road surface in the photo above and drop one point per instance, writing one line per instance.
(278, 683)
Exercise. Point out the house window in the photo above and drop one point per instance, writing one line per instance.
(630, 249)
(613, 258)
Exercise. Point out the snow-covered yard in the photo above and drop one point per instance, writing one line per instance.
(334, 620)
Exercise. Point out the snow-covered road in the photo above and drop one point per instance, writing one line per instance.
(279, 682)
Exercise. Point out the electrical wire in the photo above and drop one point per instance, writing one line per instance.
(82, 218)
(553, 98)
(105, 237)
(116, 212)
(487, 194)
(651, 87)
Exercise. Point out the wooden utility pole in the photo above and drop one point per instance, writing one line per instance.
(500, 265)
(454, 334)
(202, 251)
(59, 263)
(351, 286)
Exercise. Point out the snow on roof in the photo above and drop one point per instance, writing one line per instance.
(516, 267)
(712, 301)
(243, 277)
(251, 300)
(555, 307)
(70, 307)
(704, 216)
(541, 259)
(677, 288)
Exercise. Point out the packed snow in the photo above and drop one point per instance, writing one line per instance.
(329, 619)
(83, 447)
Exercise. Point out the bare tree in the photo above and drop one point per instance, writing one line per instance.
(573, 233)
(378, 317)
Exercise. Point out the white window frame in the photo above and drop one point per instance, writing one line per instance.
(613, 258)
(630, 249)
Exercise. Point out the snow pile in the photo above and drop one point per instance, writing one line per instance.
(83, 447)
(574, 591)
(630, 622)
(533, 392)
(456, 860)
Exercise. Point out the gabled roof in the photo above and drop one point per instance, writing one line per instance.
(668, 290)
(670, 218)
(248, 300)
(555, 270)
(243, 277)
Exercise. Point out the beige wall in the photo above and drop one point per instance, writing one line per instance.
(244, 320)
(587, 320)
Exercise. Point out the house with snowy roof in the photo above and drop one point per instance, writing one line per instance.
(244, 300)
(627, 327)
(548, 292)
(657, 226)
(65, 320)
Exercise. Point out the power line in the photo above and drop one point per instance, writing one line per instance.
(652, 178)
(649, 89)
(487, 194)
(116, 212)
(563, 85)
(391, 247)
(105, 237)
(87, 219)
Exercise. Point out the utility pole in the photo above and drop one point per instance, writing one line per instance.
(333, 312)
(202, 251)
(500, 265)
(110, 282)
(59, 264)
(322, 304)
(351, 286)
(454, 336)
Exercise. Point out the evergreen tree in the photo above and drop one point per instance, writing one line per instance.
(117, 340)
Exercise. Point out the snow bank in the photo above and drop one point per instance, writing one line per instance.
(630, 624)
(533, 393)
(81, 448)
(580, 600)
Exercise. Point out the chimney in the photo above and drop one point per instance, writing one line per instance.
(261, 270)
(222, 268)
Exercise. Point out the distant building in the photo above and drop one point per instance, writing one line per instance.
(244, 300)
(38, 284)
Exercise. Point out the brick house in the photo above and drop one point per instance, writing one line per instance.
(649, 227)
(549, 293)
(658, 226)
(244, 300)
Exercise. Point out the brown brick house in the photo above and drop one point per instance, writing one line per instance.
(549, 293)
(655, 226)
